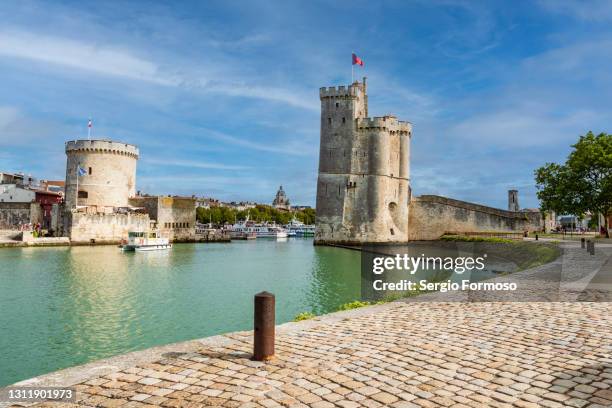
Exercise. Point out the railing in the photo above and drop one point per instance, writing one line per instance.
(490, 234)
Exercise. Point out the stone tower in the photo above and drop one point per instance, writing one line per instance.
(513, 204)
(363, 190)
(110, 173)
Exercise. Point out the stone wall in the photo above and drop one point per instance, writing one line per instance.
(14, 215)
(432, 216)
(110, 168)
(364, 171)
(175, 216)
(103, 228)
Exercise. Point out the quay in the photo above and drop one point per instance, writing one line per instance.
(418, 352)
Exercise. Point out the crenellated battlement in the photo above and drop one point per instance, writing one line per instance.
(385, 123)
(102, 146)
(342, 91)
(363, 188)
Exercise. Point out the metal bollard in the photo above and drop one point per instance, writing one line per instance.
(582, 243)
(536, 237)
(592, 247)
(264, 325)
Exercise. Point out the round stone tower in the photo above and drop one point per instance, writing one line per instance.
(104, 170)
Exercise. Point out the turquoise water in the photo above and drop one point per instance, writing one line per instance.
(62, 306)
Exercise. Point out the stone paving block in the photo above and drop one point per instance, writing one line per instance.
(499, 356)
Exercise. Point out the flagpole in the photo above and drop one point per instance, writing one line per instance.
(76, 201)
(352, 69)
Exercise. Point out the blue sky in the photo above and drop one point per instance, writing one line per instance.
(222, 97)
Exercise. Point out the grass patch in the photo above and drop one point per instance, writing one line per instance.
(304, 316)
(354, 305)
(540, 254)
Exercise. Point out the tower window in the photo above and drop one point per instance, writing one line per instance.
(329, 121)
(90, 171)
(343, 120)
(337, 104)
(83, 194)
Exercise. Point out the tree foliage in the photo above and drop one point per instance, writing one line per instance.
(583, 183)
(228, 215)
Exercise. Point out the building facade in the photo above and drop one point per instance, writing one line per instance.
(174, 217)
(363, 187)
(96, 207)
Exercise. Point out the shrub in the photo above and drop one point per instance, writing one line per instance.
(304, 316)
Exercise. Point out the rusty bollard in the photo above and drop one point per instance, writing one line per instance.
(582, 243)
(264, 322)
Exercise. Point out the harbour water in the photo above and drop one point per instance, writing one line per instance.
(64, 306)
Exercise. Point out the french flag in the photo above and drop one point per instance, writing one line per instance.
(357, 60)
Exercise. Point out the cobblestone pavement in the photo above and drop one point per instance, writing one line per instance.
(398, 355)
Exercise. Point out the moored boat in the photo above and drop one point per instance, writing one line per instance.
(297, 228)
(260, 230)
(146, 241)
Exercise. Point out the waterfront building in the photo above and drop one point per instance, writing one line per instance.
(10, 178)
(174, 216)
(240, 206)
(57, 186)
(101, 204)
(363, 186)
(207, 202)
(21, 206)
(108, 173)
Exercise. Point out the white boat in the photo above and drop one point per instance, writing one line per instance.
(297, 228)
(146, 241)
(261, 230)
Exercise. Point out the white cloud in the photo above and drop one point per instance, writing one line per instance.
(194, 164)
(588, 10)
(288, 96)
(102, 59)
(292, 147)
(121, 62)
(8, 115)
(524, 127)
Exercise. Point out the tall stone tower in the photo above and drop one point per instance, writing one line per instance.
(110, 173)
(513, 204)
(363, 190)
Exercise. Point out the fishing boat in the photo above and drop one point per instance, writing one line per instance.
(146, 241)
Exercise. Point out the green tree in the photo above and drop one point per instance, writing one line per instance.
(584, 183)
(260, 213)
